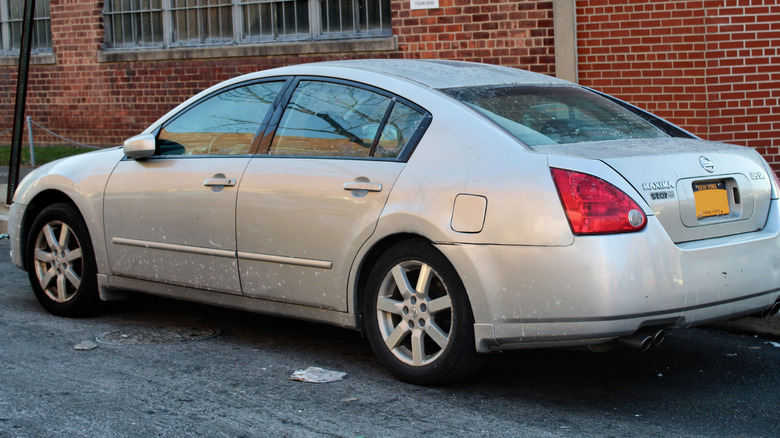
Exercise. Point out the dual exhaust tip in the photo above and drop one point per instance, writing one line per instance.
(772, 310)
(642, 340)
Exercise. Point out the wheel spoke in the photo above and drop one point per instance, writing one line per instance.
(47, 278)
(64, 236)
(424, 280)
(62, 288)
(72, 277)
(43, 256)
(436, 334)
(389, 305)
(440, 304)
(402, 281)
(51, 239)
(418, 348)
(73, 255)
(396, 336)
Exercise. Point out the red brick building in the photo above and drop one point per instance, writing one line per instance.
(103, 70)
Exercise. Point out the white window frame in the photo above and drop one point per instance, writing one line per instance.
(314, 32)
(5, 29)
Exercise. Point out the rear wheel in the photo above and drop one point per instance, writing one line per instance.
(418, 317)
(61, 262)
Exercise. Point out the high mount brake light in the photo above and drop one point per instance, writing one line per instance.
(594, 206)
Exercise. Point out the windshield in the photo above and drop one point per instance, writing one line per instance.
(549, 114)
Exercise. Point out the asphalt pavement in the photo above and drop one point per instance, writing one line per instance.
(158, 367)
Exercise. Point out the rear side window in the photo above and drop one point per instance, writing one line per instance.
(328, 119)
(222, 124)
(549, 115)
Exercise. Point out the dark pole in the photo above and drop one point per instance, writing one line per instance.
(21, 98)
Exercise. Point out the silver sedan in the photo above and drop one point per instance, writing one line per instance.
(444, 209)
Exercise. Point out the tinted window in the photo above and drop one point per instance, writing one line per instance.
(223, 124)
(329, 119)
(548, 115)
(400, 127)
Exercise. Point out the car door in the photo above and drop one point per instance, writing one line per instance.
(307, 205)
(171, 218)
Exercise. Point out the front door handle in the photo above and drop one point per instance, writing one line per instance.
(360, 185)
(219, 182)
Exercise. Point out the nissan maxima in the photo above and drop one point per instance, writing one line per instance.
(444, 209)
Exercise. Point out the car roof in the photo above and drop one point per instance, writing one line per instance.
(432, 73)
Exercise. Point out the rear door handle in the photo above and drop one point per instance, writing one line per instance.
(219, 182)
(359, 185)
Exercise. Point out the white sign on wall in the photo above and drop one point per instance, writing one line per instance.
(424, 4)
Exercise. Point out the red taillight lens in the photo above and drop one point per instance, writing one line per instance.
(594, 206)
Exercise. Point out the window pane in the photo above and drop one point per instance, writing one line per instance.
(327, 119)
(400, 127)
(133, 23)
(224, 124)
(41, 33)
(345, 18)
(202, 22)
(555, 114)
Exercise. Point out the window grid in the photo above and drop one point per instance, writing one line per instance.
(11, 23)
(186, 23)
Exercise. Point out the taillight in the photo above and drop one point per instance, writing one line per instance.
(594, 206)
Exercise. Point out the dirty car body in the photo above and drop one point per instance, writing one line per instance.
(445, 209)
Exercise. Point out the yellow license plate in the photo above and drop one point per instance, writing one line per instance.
(711, 199)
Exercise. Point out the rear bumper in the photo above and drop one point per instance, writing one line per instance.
(603, 287)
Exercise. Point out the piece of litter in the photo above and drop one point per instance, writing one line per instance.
(349, 400)
(85, 345)
(4, 236)
(731, 354)
(660, 375)
(317, 375)
(774, 344)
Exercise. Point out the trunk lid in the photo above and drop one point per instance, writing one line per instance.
(697, 189)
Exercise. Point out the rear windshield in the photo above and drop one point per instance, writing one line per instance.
(550, 114)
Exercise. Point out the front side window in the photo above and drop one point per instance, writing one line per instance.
(325, 119)
(11, 23)
(188, 23)
(223, 124)
(550, 115)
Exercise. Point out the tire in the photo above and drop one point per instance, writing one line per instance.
(61, 262)
(418, 317)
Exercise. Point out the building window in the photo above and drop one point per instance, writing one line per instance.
(11, 21)
(132, 24)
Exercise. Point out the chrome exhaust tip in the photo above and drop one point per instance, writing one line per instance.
(642, 340)
(638, 341)
(772, 310)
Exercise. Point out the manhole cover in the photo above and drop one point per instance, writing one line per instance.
(157, 335)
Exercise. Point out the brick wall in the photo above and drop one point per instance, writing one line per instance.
(102, 103)
(712, 67)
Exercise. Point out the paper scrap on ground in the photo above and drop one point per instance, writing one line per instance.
(317, 375)
(85, 345)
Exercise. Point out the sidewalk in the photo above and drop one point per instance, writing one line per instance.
(768, 327)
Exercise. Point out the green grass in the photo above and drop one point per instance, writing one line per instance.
(43, 154)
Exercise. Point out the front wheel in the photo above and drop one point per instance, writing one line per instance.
(418, 317)
(61, 262)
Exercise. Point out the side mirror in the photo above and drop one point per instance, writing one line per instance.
(140, 146)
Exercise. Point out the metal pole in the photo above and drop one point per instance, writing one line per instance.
(21, 98)
(30, 141)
